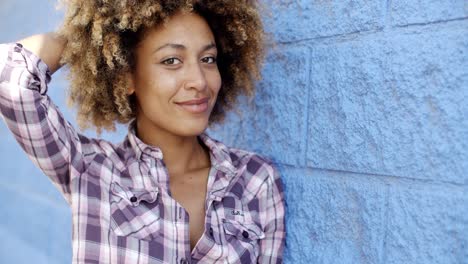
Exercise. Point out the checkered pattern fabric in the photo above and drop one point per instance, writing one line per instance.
(122, 209)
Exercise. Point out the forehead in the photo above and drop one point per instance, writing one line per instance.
(185, 28)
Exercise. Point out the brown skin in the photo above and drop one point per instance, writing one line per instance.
(161, 81)
(48, 47)
(172, 75)
(98, 45)
(102, 36)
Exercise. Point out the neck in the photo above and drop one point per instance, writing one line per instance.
(181, 154)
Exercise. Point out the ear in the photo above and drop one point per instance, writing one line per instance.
(130, 83)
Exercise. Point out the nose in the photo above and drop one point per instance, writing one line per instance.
(195, 77)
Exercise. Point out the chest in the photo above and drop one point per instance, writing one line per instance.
(139, 221)
(190, 192)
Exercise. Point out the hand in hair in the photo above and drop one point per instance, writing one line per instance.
(48, 47)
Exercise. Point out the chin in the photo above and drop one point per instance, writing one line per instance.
(192, 128)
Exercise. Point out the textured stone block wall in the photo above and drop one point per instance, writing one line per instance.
(363, 106)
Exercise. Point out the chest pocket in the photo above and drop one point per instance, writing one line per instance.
(243, 237)
(239, 229)
(134, 212)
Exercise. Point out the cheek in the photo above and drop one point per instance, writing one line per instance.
(216, 83)
(158, 86)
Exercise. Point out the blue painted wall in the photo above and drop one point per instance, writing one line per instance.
(364, 108)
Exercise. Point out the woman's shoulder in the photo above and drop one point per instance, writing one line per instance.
(256, 173)
(93, 148)
(243, 157)
(241, 160)
(252, 165)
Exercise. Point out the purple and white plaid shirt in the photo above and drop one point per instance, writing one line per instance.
(121, 205)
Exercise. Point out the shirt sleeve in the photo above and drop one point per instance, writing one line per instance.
(272, 208)
(36, 123)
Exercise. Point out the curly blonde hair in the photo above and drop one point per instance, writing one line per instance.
(102, 36)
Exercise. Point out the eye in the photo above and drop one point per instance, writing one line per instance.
(209, 60)
(171, 61)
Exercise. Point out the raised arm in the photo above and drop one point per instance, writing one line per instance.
(34, 120)
(48, 47)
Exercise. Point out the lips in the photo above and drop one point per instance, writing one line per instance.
(195, 106)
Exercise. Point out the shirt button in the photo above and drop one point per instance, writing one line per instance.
(183, 261)
(133, 199)
(245, 234)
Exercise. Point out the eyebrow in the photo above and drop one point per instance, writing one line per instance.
(182, 47)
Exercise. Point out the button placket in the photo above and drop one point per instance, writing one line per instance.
(211, 232)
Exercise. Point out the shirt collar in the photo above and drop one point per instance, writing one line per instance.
(140, 148)
(219, 153)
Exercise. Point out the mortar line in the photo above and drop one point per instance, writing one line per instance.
(388, 14)
(383, 257)
(363, 33)
(430, 22)
(384, 177)
(307, 115)
(338, 36)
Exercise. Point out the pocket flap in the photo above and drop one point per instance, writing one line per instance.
(134, 195)
(245, 231)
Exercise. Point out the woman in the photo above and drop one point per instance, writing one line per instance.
(168, 193)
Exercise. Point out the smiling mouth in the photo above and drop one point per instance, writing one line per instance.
(195, 106)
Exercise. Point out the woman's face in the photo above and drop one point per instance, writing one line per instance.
(176, 79)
